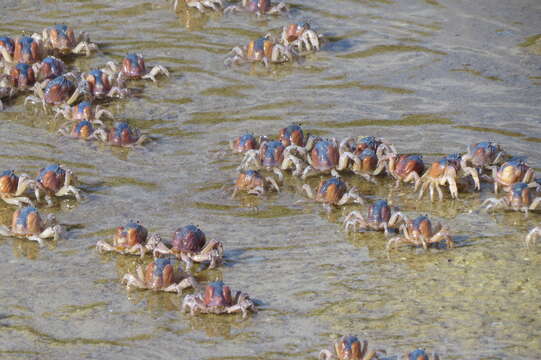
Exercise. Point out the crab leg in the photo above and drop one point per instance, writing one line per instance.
(354, 219)
(131, 280)
(158, 69)
(4, 231)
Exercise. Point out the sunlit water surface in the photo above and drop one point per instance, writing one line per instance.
(430, 76)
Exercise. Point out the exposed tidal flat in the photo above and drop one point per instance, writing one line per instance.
(429, 76)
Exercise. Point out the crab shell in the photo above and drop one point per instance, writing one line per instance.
(512, 171)
(348, 348)
(217, 294)
(438, 168)
(8, 44)
(418, 354)
(244, 143)
(262, 6)
(292, 135)
(324, 156)
(22, 76)
(409, 163)
(52, 178)
(58, 90)
(83, 111)
(367, 142)
(51, 67)
(8, 182)
(133, 66)
(159, 274)
(293, 31)
(520, 195)
(62, 37)
(27, 50)
(259, 49)
(369, 160)
(130, 235)
(421, 225)
(98, 83)
(484, 153)
(249, 179)
(271, 154)
(26, 221)
(122, 135)
(379, 212)
(188, 239)
(331, 190)
(82, 130)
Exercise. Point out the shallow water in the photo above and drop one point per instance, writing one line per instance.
(429, 76)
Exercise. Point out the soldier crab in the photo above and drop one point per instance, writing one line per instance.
(482, 155)
(25, 50)
(60, 90)
(83, 130)
(350, 348)
(301, 37)
(243, 143)
(420, 354)
(217, 299)
(22, 76)
(6, 90)
(333, 191)
(258, 7)
(511, 172)
(270, 156)
(442, 172)
(28, 223)
(421, 232)
(55, 180)
(159, 275)
(133, 68)
(190, 245)
(264, 50)
(61, 39)
(122, 135)
(83, 111)
(99, 85)
(13, 186)
(380, 217)
(254, 183)
(404, 168)
(519, 198)
(130, 239)
(49, 69)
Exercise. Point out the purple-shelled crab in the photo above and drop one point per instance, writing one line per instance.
(519, 198)
(133, 68)
(264, 49)
(333, 192)
(350, 348)
(13, 186)
(421, 232)
(61, 40)
(55, 180)
(252, 182)
(131, 239)
(258, 7)
(381, 216)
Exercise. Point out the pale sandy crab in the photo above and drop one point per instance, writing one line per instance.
(350, 348)
(519, 198)
(55, 180)
(301, 37)
(13, 186)
(258, 7)
(201, 5)
(381, 216)
(190, 245)
(333, 192)
(83, 111)
(481, 156)
(252, 182)
(511, 172)
(131, 239)
(122, 135)
(217, 299)
(404, 168)
(421, 232)
(133, 68)
(28, 223)
(61, 40)
(447, 170)
(533, 235)
(264, 50)
(160, 275)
